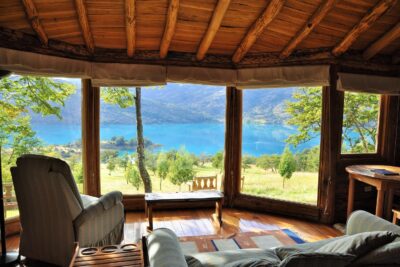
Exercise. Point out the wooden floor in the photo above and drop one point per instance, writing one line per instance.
(200, 222)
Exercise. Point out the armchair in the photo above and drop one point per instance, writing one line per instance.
(54, 215)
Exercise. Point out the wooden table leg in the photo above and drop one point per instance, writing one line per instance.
(389, 204)
(150, 216)
(350, 200)
(379, 202)
(218, 211)
(396, 216)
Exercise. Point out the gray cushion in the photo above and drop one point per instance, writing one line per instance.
(387, 254)
(222, 258)
(286, 251)
(164, 249)
(317, 260)
(358, 244)
(254, 262)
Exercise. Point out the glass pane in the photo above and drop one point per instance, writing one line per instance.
(183, 130)
(40, 116)
(281, 143)
(360, 123)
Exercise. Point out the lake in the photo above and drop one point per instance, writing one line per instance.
(195, 137)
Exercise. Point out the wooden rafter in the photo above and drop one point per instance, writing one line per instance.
(215, 23)
(382, 42)
(33, 17)
(312, 22)
(365, 23)
(130, 24)
(169, 30)
(270, 12)
(84, 22)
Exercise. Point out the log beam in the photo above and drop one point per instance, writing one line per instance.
(33, 17)
(215, 23)
(382, 42)
(172, 17)
(312, 22)
(130, 24)
(84, 22)
(363, 25)
(270, 12)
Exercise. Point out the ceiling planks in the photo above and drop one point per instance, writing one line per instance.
(270, 12)
(130, 23)
(172, 17)
(312, 22)
(363, 25)
(33, 17)
(215, 23)
(382, 42)
(83, 21)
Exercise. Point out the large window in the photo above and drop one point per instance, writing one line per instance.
(281, 143)
(183, 131)
(42, 116)
(360, 123)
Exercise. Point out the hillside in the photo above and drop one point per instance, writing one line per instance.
(182, 103)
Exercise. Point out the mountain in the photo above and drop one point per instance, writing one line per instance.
(181, 103)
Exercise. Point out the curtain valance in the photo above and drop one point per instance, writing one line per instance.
(369, 83)
(115, 74)
(275, 77)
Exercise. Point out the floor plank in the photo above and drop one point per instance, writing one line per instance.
(200, 222)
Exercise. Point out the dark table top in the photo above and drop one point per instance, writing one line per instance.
(184, 196)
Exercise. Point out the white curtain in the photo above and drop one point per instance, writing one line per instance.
(369, 84)
(275, 77)
(129, 75)
(197, 75)
(36, 64)
(115, 74)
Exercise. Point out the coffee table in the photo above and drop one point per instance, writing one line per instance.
(125, 255)
(154, 199)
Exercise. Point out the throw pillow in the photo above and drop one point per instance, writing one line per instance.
(384, 255)
(358, 244)
(315, 259)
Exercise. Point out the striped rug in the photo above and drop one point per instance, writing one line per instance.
(263, 239)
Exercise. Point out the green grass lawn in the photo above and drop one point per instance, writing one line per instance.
(301, 187)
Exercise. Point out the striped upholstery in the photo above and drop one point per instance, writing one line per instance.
(54, 215)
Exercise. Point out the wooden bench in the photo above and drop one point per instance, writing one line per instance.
(153, 199)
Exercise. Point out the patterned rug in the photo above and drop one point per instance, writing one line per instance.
(263, 239)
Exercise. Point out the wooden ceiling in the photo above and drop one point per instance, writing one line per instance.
(232, 30)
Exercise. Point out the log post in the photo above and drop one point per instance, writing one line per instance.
(91, 138)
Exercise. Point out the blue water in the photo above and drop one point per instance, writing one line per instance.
(196, 138)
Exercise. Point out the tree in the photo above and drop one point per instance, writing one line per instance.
(203, 158)
(247, 160)
(163, 165)
(111, 165)
(132, 176)
(107, 155)
(151, 161)
(264, 162)
(124, 98)
(181, 169)
(123, 161)
(287, 165)
(20, 95)
(218, 160)
(359, 118)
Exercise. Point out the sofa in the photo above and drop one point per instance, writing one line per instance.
(369, 241)
(54, 215)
